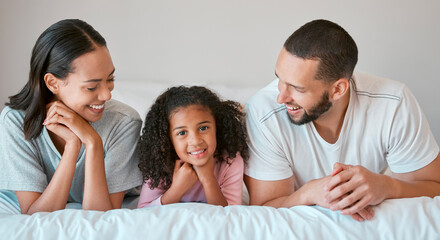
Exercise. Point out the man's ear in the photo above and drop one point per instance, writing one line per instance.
(52, 82)
(339, 88)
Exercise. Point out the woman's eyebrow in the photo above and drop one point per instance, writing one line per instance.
(97, 79)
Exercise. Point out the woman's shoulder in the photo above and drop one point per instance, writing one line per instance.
(114, 108)
(9, 115)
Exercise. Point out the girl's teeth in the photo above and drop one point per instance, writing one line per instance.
(193, 153)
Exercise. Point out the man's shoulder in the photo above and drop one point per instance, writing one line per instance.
(378, 87)
(263, 104)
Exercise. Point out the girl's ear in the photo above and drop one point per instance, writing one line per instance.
(52, 83)
(339, 88)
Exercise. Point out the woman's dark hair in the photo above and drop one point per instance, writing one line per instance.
(330, 44)
(53, 53)
(156, 153)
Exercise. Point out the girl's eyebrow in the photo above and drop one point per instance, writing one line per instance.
(200, 123)
(180, 127)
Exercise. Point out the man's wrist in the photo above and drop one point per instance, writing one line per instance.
(392, 186)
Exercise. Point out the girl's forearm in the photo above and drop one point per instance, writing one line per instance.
(96, 194)
(213, 192)
(172, 195)
(56, 194)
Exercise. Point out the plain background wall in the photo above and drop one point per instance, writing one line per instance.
(232, 42)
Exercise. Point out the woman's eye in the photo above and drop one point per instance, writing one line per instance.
(91, 89)
(181, 133)
(203, 128)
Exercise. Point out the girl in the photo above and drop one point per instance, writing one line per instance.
(62, 138)
(192, 149)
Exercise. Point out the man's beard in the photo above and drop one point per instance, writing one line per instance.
(321, 107)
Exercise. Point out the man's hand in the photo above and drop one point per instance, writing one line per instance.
(319, 198)
(353, 188)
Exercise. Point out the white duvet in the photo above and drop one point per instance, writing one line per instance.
(412, 218)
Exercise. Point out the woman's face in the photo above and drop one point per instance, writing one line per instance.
(89, 86)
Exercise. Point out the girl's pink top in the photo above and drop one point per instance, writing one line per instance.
(229, 177)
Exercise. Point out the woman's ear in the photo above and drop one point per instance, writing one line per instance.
(51, 82)
(339, 88)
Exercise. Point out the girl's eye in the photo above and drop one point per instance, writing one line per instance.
(111, 79)
(92, 89)
(203, 128)
(181, 133)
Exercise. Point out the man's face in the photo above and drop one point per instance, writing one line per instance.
(306, 98)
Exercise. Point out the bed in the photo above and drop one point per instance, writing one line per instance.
(412, 218)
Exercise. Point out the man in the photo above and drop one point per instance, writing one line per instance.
(321, 135)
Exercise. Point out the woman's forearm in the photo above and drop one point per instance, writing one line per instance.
(96, 194)
(56, 194)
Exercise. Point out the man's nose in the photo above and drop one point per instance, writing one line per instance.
(283, 95)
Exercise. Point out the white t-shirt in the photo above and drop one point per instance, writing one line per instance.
(30, 165)
(383, 126)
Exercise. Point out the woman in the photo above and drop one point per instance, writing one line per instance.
(62, 138)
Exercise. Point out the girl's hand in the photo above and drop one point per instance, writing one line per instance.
(184, 176)
(210, 184)
(60, 114)
(205, 172)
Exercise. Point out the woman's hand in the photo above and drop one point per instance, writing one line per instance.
(60, 114)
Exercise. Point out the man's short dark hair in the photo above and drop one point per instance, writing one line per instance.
(327, 42)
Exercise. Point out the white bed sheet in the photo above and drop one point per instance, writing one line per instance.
(412, 218)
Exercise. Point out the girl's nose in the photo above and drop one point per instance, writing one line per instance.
(195, 139)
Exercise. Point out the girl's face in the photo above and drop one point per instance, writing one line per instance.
(193, 134)
(89, 86)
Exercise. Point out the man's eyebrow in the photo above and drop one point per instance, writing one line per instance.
(297, 87)
(97, 79)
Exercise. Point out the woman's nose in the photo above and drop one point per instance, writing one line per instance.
(105, 94)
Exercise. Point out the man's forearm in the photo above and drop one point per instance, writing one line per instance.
(297, 198)
(407, 189)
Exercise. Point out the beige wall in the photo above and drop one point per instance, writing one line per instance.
(232, 41)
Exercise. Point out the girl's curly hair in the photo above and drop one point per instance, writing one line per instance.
(156, 153)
